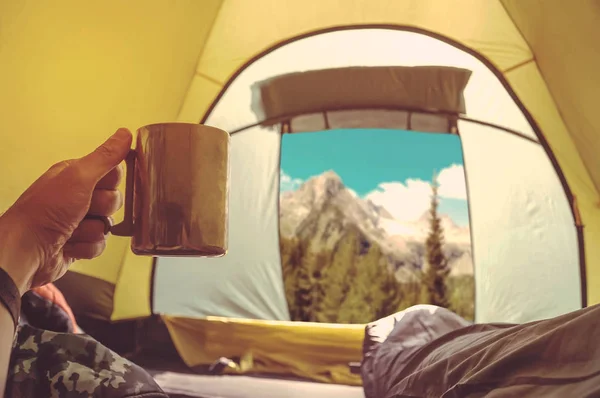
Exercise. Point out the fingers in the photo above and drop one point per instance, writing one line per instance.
(105, 202)
(107, 156)
(112, 179)
(84, 250)
(87, 241)
(89, 231)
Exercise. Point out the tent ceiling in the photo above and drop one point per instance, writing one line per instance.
(72, 72)
(565, 41)
(491, 32)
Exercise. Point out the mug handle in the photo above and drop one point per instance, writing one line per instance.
(125, 227)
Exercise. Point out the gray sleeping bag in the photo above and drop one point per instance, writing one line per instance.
(390, 342)
(433, 353)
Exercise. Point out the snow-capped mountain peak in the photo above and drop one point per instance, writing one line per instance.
(323, 207)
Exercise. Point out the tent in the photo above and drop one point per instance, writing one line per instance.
(74, 72)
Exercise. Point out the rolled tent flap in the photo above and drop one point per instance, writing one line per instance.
(436, 89)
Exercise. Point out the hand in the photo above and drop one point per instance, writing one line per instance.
(44, 232)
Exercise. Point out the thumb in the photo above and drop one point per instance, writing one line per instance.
(108, 155)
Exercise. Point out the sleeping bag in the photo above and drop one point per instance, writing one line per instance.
(391, 341)
(428, 355)
(45, 308)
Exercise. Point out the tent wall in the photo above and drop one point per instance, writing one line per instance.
(525, 247)
(532, 90)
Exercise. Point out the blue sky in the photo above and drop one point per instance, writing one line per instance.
(403, 161)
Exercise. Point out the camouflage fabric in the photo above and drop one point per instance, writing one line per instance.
(41, 313)
(63, 365)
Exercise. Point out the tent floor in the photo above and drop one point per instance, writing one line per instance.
(182, 385)
(148, 344)
(179, 381)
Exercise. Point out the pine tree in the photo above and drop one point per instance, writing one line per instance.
(373, 291)
(336, 279)
(304, 292)
(354, 306)
(290, 262)
(392, 294)
(302, 276)
(370, 273)
(436, 274)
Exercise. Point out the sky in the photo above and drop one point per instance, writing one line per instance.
(393, 168)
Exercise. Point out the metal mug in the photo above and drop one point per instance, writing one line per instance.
(177, 191)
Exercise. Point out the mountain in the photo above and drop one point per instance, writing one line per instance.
(323, 208)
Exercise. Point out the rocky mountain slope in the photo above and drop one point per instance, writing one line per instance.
(321, 209)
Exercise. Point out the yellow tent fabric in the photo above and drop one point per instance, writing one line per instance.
(72, 72)
(316, 351)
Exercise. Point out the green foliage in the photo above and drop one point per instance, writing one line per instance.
(412, 294)
(437, 270)
(349, 284)
(462, 295)
(336, 280)
(365, 297)
(392, 296)
(291, 260)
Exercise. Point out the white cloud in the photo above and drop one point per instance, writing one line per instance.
(405, 201)
(287, 183)
(409, 200)
(452, 183)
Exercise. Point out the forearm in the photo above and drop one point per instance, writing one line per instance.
(16, 275)
(10, 299)
(15, 252)
(7, 328)
(9, 310)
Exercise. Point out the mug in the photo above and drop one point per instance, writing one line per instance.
(177, 191)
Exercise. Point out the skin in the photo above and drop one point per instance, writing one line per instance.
(44, 232)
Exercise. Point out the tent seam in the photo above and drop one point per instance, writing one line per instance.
(210, 79)
(519, 65)
(200, 55)
(522, 63)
